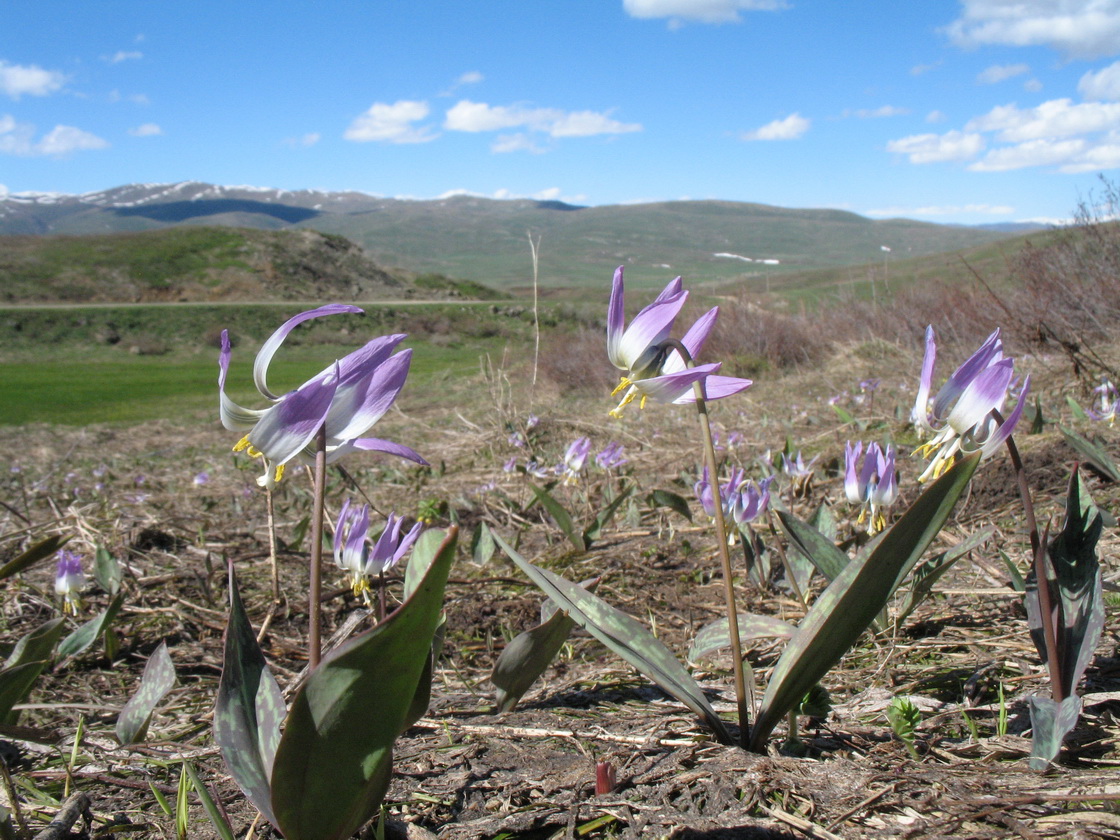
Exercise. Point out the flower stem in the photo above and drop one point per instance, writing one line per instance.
(724, 554)
(315, 588)
(1042, 580)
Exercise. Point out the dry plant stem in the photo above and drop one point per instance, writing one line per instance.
(74, 807)
(1038, 559)
(315, 589)
(535, 248)
(270, 503)
(724, 554)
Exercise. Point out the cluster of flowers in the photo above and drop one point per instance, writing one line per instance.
(574, 465)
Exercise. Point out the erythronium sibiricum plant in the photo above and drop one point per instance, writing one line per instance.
(319, 770)
(872, 484)
(964, 416)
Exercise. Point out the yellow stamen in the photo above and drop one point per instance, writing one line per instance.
(623, 385)
(616, 412)
(279, 473)
(241, 444)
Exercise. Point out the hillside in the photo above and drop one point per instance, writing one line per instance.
(203, 264)
(485, 240)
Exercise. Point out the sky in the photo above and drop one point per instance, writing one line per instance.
(972, 112)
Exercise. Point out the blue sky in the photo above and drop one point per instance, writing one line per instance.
(972, 111)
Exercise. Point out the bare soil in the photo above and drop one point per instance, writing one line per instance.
(464, 771)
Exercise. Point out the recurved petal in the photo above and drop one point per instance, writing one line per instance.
(269, 348)
(672, 386)
(1008, 426)
(234, 417)
(291, 424)
(716, 388)
(359, 404)
(368, 444)
(650, 327)
(919, 415)
(360, 362)
(986, 391)
(616, 320)
(990, 352)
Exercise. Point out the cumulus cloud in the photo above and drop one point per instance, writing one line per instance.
(702, 11)
(938, 148)
(123, 55)
(18, 138)
(519, 142)
(1001, 73)
(478, 117)
(18, 80)
(1046, 152)
(1055, 118)
(146, 130)
(1078, 28)
(789, 128)
(1103, 84)
(547, 194)
(876, 113)
(394, 123)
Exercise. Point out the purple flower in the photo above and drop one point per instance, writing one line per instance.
(201, 479)
(873, 486)
(869, 384)
(347, 397)
(651, 368)
(574, 460)
(611, 456)
(961, 416)
(795, 467)
(1106, 402)
(69, 580)
(354, 554)
(742, 501)
(511, 464)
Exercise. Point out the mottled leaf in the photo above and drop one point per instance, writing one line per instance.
(107, 571)
(671, 500)
(526, 657)
(561, 517)
(1093, 453)
(42, 549)
(1075, 407)
(623, 635)
(249, 708)
(817, 548)
(27, 660)
(855, 597)
(92, 630)
(158, 678)
(926, 575)
(333, 764)
(482, 544)
(605, 515)
(1051, 721)
(715, 636)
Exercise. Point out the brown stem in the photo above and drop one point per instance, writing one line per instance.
(724, 554)
(315, 588)
(1046, 603)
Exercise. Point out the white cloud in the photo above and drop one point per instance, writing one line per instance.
(1103, 84)
(304, 141)
(876, 113)
(391, 124)
(19, 139)
(122, 55)
(478, 116)
(1002, 72)
(502, 194)
(704, 11)
(936, 117)
(789, 128)
(922, 69)
(1032, 85)
(1045, 152)
(944, 210)
(17, 80)
(938, 148)
(519, 142)
(146, 130)
(472, 77)
(1055, 118)
(1078, 28)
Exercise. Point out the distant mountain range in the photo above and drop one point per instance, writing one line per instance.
(487, 240)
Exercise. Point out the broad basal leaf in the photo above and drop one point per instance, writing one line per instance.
(560, 516)
(91, 631)
(333, 763)
(526, 657)
(27, 660)
(1051, 721)
(1094, 454)
(623, 635)
(716, 636)
(37, 552)
(158, 678)
(855, 597)
(249, 708)
(817, 548)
